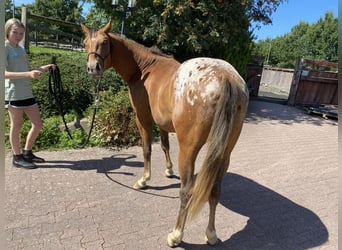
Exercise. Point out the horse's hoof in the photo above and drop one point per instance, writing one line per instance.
(139, 184)
(168, 173)
(174, 238)
(211, 238)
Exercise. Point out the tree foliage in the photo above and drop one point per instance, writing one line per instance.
(207, 28)
(8, 9)
(186, 29)
(66, 10)
(313, 41)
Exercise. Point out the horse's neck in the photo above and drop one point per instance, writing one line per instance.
(130, 59)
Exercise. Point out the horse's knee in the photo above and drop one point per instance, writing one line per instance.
(184, 194)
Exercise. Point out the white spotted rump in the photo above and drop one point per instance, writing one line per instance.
(198, 79)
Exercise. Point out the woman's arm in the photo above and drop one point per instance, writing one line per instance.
(20, 75)
(34, 74)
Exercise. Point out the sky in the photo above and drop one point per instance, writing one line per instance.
(286, 16)
(291, 13)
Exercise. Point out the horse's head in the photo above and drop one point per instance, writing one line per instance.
(98, 47)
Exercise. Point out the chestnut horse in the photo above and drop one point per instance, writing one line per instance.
(202, 100)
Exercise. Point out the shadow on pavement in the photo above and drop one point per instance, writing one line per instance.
(275, 222)
(103, 165)
(259, 111)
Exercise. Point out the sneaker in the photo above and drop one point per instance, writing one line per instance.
(20, 162)
(30, 157)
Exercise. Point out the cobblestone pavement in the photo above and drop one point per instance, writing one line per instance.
(280, 193)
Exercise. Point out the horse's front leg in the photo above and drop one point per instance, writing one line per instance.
(165, 145)
(146, 136)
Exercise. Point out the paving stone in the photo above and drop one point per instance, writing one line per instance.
(280, 193)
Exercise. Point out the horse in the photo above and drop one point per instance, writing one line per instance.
(203, 100)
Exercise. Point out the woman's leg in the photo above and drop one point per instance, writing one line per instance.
(16, 118)
(33, 114)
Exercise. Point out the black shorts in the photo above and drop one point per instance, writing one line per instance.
(21, 103)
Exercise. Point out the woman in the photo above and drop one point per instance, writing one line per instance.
(18, 95)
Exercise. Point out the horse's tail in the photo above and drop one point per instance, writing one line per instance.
(219, 143)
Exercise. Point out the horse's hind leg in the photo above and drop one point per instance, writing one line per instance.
(165, 145)
(176, 236)
(214, 198)
(210, 233)
(186, 164)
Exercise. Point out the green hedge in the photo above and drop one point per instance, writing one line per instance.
(114, 125)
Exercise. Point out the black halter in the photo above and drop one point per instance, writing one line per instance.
(99, 56)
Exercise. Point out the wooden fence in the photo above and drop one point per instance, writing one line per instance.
(280, 78)
(45, 36)
(254, 72)
(314, 86)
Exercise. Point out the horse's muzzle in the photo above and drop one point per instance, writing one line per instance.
(94, 68)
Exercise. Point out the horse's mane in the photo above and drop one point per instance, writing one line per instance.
(154, 49)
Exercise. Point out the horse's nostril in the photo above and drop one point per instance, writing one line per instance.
(97, 66)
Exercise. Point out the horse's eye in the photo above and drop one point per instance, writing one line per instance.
(104, 42)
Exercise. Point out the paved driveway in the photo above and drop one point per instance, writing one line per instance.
(280, 193)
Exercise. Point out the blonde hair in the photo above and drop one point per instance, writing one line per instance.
(9, 25)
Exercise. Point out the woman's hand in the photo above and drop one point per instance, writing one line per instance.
(46, 68)
(35, 74)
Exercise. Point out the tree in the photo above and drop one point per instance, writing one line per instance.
(186, 29)
(313, 41)
(8, 9)
(323, 37)
(65, 10)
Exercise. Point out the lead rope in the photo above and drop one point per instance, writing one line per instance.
(56, 89)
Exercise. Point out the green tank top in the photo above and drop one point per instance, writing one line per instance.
(16, 60)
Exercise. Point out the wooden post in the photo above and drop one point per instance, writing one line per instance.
(295, 81)
(25, 42)
(35, 35)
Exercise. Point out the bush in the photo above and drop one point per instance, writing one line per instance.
(77, 85)
(78, 139)
(114, 125)
(48, 136)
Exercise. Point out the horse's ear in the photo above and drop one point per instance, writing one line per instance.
(85, 29)
(107, 27)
